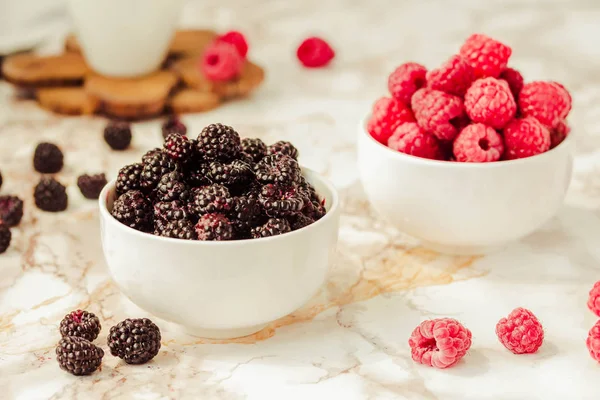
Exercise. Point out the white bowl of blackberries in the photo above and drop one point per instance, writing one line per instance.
(219, 234)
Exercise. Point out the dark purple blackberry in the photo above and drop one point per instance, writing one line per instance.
(173, 125)
(210, 199)
(167, 211)
(196, 175)
(78, 356)
(5, 237)
(151, 153)
(245, 214)
(129, 178)
(214, 227)
(252, 190)
(134, 210)
(298, 221)
(218, 142)
(273, 227)
(315, 210)
(50, 195)
(118, 135)
(136, 341)
(178, 147)
(236, 173)
(48, 158)
(255, 148)
(181, 229)
(281, 200)
(283, 147)
(277, 168)
(91, 185)
(0, 180)
(171, 187)
(81, 324)
(154, 168)
(11, 210)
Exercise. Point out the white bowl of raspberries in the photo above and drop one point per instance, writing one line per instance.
(467, 157)
(218, 234)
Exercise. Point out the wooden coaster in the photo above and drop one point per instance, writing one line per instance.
(66, 100)
(31, 70)
(193, 101)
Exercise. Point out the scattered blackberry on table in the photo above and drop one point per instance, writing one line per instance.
(218, 142)
(196, 175)
(236, 173)
(173, 125)
(78, 356)
(180, 229)
(11, 210)
(214, 227)
(154, 168)
(178, 147)
(91, 185)
(277, 168)
(210, 199)
(82, 324)
(151, 153)
(171, 187)
(5, 237)
(279, 201)
(168, 211)
(273, 227)
(50, 195)
(136, 341)
(48, 158)
(284, 147)
(299, 221)
(134, 210)
(255, 148)
(129, 178)
(118, 135)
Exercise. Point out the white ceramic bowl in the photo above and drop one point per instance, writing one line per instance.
(221, 289)
(463, 208)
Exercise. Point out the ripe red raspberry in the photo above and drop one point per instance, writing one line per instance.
(594, 299)
(514, 80)
(549, 102)
(408, 138)
(520, 332)
(406, 80)
(237, 39)
(559, 133)
(487, 56)
(454, 77)
(437, 112)
(314, 52)
(388, 114)
(478, 143)
(593, 342)
(439, 343)
(490, 102)
(525, 138)
(221, 62)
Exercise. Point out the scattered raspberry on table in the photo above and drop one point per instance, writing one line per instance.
(594, 299)
(520, 332)
(315, 52)
(439, 343)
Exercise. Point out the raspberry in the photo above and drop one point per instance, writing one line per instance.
(387, 115)
(210, 199)
(406, 80)
(236, 39)
(594, 299)
(273, 227)
(277, 168)
(478, 143)
(221, 62)
(520, 332)
(128, 178)
(525, 138)
(559, 133)
(50, 195)
(11, 210)
(490, 102)
(285, 148)
(549, 102)
(410, 139)
(173, 125)
(118, 135)
(91, 185)
(180, 229)
(136, 341)
(314, 52)
(440, 342)
(214, 227)
(487, 56)
(48, 158)
(171, 187)
(255, 148)
(593, 342)
(78, 356)
(134, 210)
(5, 237)
(437, 112)
(178, 147)
(154, 167)
(514, 80)
(454, 77)
(218, 142)
(82, 324)
(279, 201)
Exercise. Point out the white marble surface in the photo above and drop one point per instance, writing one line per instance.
(350, 342)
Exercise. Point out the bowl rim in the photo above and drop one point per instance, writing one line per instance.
(469, 165)
(333, 209)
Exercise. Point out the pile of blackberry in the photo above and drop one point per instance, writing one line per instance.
(216, 187)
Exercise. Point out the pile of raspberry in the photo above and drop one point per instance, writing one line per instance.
(473, 108)
(216, 187)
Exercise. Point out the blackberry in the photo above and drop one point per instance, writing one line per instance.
(11, 210)
(284, 147)
(78, 356)
(154, 168)
(181, 229)
(50, 195)
(171, 187)
(315, 210)
(197, 175)
(173, 125)
(273, 227)
(91, 185)
(136, 341)
(118, 135)
(167, 211)
(129, 178)
(134, 210)
(151, 153)
(236, 173)
(178, 147)
(279, 201)
(277, 168)
(214, 198)
(214, 227)
(5, 237)
(82, 324)
(255, 148)
(245, 214)
(298, 221)
(48, 158)
(0, 180)
(252, 190)
(218, 142)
